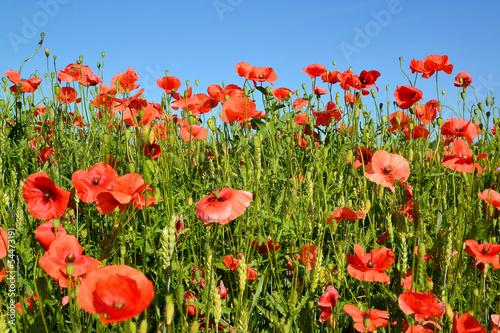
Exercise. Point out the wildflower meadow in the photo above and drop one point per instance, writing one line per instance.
(337, 206)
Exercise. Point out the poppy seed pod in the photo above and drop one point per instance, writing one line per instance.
(488, 101)
(480, 106)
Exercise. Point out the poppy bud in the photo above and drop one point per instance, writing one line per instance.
(421, 251)
(449, 311)
(69, 269)
(474, 119)
(380, 191)
(488, 101)
(105, 138)
(488, 114)
(443, 92)
(374, 94)
(288, 140)
(55, 223)
(84, 233)
(480, 106)
(349, 156)
(131, 167)
(169, 313)
(304, 86)
(57, 90)
(127, 134)
(475, 292)
(462, 95)
(410, 155)
(91, 107)
(194, 327)
(98, 65)
(440, 121)
(491, 210)
(429, 285)
(144, 326)
(2, 103)
(356, 113)
(368, 205)
(366, 321)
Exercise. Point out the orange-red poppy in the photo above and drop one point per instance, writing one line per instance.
(418, 329)
(423, 305)
(44, 199)
(4, 243)
(427, 112)
(231, 262)
(45, 234)
(352, 99)
(330, 77)
(122, 82)
(320, 91)
(116, 292)
(457, 128)
(239, 109)
(435, 63)
(465, 82)
(267, 247)
(314, 70)
(406, 96)
(495, 323)
(348, 80)
(68, 95)
(417, 132)
(123, 191)
(88, 184)
(370, 266)
(376, 318)
(417, 66)
(64, 250)
(308, 255)
(152, 149)
(345, 213)
(399, 120)
(466, 323)
(491, 197)
(462, 159)
(364, 157)
(22, 86)
(81, 73)
(299, 103)
(386, 168)
(324, 118)
(223, 206)
(282, 94)
(367, 79)
(189, 132)
(28, 304)
(485, 253)
(327, 301)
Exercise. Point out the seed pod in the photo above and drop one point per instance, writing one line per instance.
(488, 101)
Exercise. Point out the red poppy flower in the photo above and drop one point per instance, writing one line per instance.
(152, 149)
(239, 109)
(459, 128)
(434, 63)
(345, 213)
(491, 197)
(262, 74)
(299, 103)
(251, 274)
(22, 86)
(28, 304)
(327, 301)
(417, 66)
(45, 234)
(485, 253)
(330, 77)
(376, 318)
(320, 91)
(348, 80)
(364, 157)
(385, 168)
(267, 247)
(223, 206)
(462, 159)
(352, 99)
(399, 120)
(231, 262)
(324, 118)
(417, 132)
(116, 292)
(45, 200)
(406, 282)
(406, 96)
(426, 112)
(368, 79)
(4, 243)
(243, 69)
(370, 266)
(80, 73)
(126, 81)
(423, 305)
(495, 323)
(64, 250)
(97, 179)
(308, 255)
(3, 274)
(466, 324)
(189, 296)
(314, 70)
(466, 80)
(123, 191)
(189, 132)
(170, 84)
(68, 95)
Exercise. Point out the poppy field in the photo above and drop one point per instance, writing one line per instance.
(338, 206)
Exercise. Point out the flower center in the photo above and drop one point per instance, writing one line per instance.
(485, 250)
(95, 181)
(370, 264)
(70, 258)
(47, 195)
(119, 305)
(386, 170)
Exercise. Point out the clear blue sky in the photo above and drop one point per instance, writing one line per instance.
(204, 40)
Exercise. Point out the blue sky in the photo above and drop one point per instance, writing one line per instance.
(204, 40)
